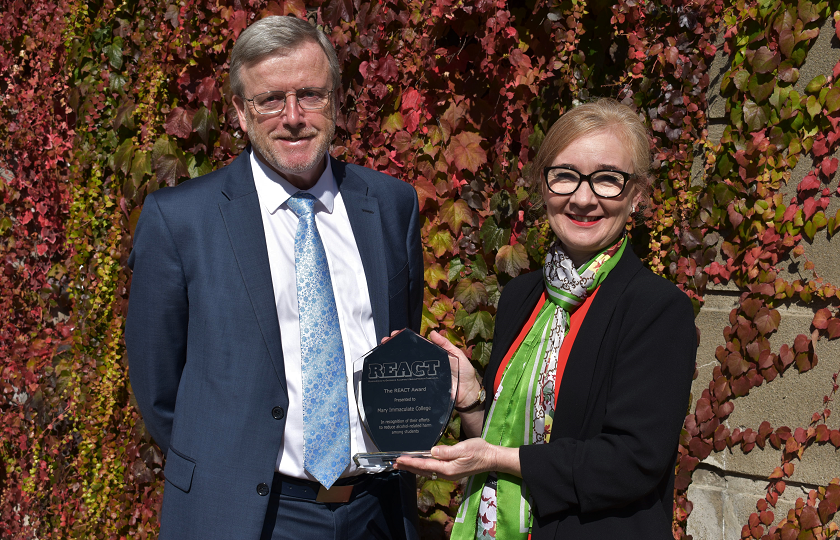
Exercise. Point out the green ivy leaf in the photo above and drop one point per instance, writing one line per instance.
(440, 490)
(439, 516)
(512, 259)
(481, 353)
(427, 321)
(113, 53)
(816, 84)
(494, 292)
(470, 293)
(393, 123)
(198, 165)
(441, 241)
(493, 237)
(760, 92)
(813, 106)
(819, 220)
(475, 324)
(809, 230)
(741, 80)
(456, 266)
(832, 100)
(205, 122)
(140, 167)
(754, 116)
(121, 159)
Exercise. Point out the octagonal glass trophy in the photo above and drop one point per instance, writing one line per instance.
(405, 392)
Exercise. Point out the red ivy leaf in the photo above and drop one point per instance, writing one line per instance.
(764, 60)
(833, 328)
(207, 92)
(699, 448)
(767, 320)
(821, 319)
(387, 68)
(801, 343)
(703, 411)
(238, 22)
(809, 518)
(170, 169)
(466, 151)
(425, 192)
(827, 509)
(179, 122)
(172, 14)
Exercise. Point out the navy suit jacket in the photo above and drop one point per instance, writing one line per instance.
(203, 339)
(608, 470)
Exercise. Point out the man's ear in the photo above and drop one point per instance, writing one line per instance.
(241, 112)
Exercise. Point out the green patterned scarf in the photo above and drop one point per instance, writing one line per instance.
(523, 405)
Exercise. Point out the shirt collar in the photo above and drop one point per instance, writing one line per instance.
(274, 190)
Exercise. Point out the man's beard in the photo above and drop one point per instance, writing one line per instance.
(281, 163)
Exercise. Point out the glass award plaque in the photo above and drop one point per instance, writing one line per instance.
(405, 392)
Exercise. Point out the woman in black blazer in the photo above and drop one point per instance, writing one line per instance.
(588, 382)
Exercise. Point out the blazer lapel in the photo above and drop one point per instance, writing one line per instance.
(527, 294)
(575, 389)
(365, 221)
(243, 221)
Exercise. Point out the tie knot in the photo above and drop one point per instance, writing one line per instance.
(302, 203)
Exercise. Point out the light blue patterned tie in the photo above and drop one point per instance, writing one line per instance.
(326, 428)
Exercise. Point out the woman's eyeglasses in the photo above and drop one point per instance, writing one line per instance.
(565, 181)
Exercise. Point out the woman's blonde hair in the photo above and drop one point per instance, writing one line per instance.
(605, 114)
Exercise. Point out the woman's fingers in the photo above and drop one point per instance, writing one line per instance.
(452, 462)
(444, 344)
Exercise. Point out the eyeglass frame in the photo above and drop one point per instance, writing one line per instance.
(286, 95)
(588, 177)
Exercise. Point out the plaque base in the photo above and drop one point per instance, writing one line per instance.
(375, 462)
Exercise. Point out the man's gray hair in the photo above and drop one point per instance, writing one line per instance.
(277, 35)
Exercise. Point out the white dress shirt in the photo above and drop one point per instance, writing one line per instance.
(351, 299)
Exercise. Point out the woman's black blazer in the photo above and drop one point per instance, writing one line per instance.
(608, 471)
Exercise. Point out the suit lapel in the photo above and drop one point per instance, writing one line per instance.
(508, 328)
(365, 221)
(575, 391)
(243, 221)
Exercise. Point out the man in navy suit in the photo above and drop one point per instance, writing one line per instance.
(217, 335)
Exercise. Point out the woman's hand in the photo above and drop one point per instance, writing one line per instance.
(468, 385)
(464, 459)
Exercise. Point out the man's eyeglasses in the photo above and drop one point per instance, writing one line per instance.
(309, 99)
(606, 184)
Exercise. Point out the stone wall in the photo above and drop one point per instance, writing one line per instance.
(727, 485)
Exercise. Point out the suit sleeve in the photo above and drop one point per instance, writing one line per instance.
(156, 326)
(645, 408)
(415, 266)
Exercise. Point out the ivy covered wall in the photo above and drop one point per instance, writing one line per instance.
(102, 103)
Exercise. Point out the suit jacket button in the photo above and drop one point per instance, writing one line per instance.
(278, 413)
(263, 490)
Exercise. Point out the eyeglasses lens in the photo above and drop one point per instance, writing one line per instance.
(307, 98)
(604, 183)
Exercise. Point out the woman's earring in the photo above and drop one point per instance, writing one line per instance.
(633, 209)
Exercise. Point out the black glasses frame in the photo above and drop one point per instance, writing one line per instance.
(588, 177)
(286, 95)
